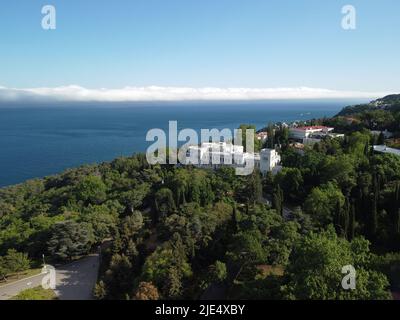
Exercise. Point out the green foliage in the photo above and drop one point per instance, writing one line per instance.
(13, 262)
(37, 293)
(164, 202)
(291, 181)
(100, 291)
(322, 203)
(167, 267)
(177, 232)
(117, 279)
(91, 190)
(315, 268)
(70, 239)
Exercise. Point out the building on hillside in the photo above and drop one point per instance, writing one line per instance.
(217, 154)
(300, 133)
(318, 137)
(385, 149)
(269, 161)
(312, 134)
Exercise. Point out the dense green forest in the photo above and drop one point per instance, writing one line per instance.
(182, 232)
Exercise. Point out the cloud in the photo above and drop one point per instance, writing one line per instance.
(75, 93)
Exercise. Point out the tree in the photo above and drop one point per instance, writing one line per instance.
(14, 262)
(134, 198)
(270, 136)
(244, 254)
(100, 291)
(131, 225)
(102, 219)
(314, 271)
(217, 272)
(146, 291)
(254, 187)
(291, 181)
(322, 203)
(277, 200)
(173, 285)
(342, 218)
(381, 139)
(118, 278)
(3, 269)
(164, 202)
(91, 190)
(280, 242)
(166, 268)
(352, 222)
(70, 239)
(373, 217)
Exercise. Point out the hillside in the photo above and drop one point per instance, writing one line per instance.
(389, 103)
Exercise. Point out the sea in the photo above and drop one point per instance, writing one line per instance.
(38, 140)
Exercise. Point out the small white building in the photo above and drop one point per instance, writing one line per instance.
(269, 161)
(385, 149)
(216, 154)
(301, 133)
(318, 137)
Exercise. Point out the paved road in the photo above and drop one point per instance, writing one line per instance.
(74, 281)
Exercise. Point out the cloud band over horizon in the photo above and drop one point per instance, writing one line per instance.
(74, 93)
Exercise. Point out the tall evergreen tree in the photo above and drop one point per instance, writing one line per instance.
(277, 200)
(381, 139)
(352, 222)
(345, 217)
(373, 217)
(271, 136)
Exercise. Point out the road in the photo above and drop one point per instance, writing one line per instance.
(74, 281)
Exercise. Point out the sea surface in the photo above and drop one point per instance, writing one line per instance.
(40, 140)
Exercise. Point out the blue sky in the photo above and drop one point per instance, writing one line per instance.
(201, 43)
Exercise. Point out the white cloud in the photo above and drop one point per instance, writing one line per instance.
(154, 93)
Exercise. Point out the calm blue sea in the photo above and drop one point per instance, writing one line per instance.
(36, 141)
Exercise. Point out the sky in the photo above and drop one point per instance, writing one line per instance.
(198, 49)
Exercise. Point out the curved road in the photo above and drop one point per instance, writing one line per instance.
(74, 281)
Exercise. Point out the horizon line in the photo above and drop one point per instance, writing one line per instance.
(75, 93)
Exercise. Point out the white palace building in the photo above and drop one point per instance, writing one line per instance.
(216, 154)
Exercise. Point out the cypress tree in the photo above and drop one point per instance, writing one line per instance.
(277, 200)
(338, 218)
(235, 219)
(366, 149)
(381, 139)
(345, 218)
(373, 219)
(352, 222)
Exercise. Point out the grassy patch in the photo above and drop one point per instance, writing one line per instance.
(37, 293)
(21, 275)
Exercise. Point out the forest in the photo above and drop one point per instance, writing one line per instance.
(172, 232)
